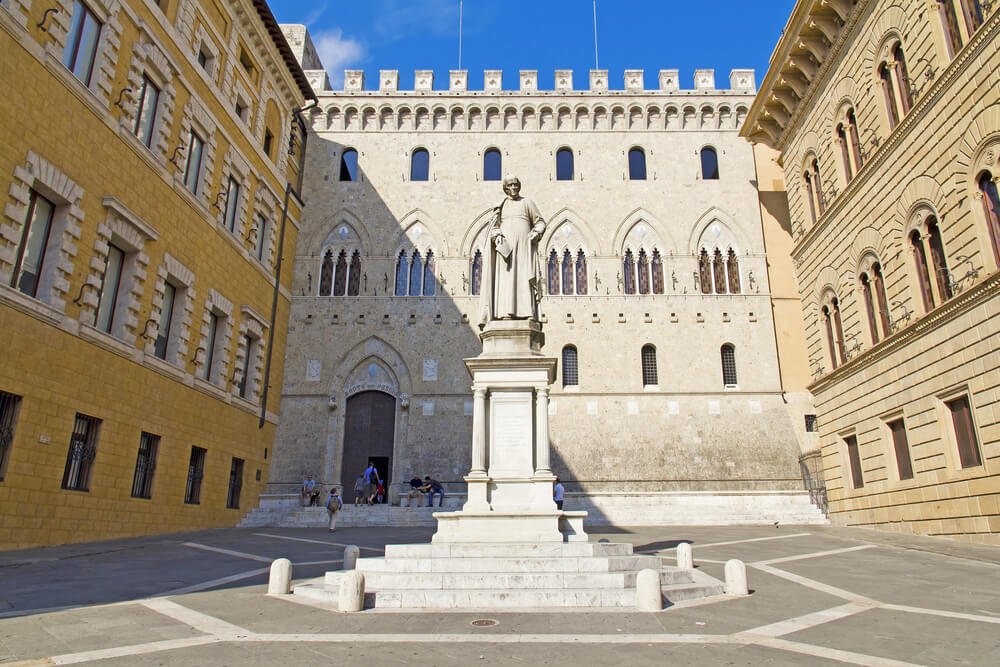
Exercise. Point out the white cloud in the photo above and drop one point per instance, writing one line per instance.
(338, 52)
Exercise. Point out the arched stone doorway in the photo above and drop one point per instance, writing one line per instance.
(369, 434)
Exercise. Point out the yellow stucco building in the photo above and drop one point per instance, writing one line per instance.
(150, 165)
(887, 119)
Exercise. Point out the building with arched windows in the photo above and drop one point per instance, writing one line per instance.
(636, 186)
(889, 133)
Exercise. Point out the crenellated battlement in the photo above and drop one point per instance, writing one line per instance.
(741, 82)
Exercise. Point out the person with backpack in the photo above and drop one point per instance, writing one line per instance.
(333, 505)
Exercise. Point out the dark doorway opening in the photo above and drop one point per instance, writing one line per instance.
(369, 433)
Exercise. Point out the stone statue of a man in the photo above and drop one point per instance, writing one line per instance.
(512, 275)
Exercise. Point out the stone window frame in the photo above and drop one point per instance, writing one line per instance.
(130, 233)
(894, 105)
(222, 307)
(574, 174)
(731, 347)
(628, 163)
(201, 40)
(238, 167)
(431, 176)
(917, 221)
(255, 326)
(986, 159)
(351, 243)
(18, 9)
(949, 442)
(701, 163)
(196, 118)
(106, 57)
(648, 357)
(830, 316)
(44, 177)
(570, 379)
(965, 31)
(150, 60)
(851, 158)
(889, 445)
(182, 278)
(265, 205)
(575, 242)
(883, 320)
(850, 485)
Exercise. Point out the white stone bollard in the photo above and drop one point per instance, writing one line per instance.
(280, 580)
(352, 591)
(736, 578)
(351, 553)
(647, 591)
(685, 559)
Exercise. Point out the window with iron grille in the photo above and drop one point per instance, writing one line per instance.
(811, 423)
(9, 404)
(729, 365)
(145, 464)
(81, 454)
(196, 471)
(570, 369)
(965, 432)
(649, 376)
(235, 484)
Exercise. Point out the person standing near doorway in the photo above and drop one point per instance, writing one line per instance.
(333, 505)
(557, 494)
(371, 480)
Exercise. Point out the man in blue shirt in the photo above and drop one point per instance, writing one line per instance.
(371, 479)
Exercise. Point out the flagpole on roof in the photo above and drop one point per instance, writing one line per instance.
(459, 34)
(596, 62)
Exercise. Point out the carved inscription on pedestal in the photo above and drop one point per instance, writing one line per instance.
(511, 435)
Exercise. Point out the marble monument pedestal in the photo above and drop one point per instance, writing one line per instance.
(510, 483)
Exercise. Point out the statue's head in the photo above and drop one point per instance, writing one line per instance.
(511, 186)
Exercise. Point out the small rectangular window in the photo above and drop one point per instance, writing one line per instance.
(247, 63)
(965, 432)
(242, 109)
(810, 423)
(9, 406)
(901, 446)
(206, 59)
(268, 141)
(192, 171)
(82, 39)
(261, 235)
(854, 456)
(570, 369)
(249, 348)
(31, 252)
(649, 374)
(235, 484)
(166, 321)
(145, 464)
(110, 288)
(196, 472)
(81, 454)
(145, 114)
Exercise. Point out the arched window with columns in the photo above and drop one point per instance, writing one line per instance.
(567, 273)
(991, 211)
(705, 272)
(642, 272)
(354, 275)
(553, 272)
(340, 275)
(920, 265)
(326, 274)
(834, 327)
(656, 272)
(477, 272)
(628, 269)
(581, 272)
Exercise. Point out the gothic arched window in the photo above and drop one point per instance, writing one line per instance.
(340, 275)
(354, 275)
(629, 269)
(430, 282)
(705, 272)
(567, 273)
(416, 273)
(553, 272)
(477, 272)
(733, 271)
(581, 272)
(402, 273)
(420, 165)
(719, 272)
(326, 274)
(656, 271)
(643, 271)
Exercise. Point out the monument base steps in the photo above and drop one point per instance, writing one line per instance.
(509, 576)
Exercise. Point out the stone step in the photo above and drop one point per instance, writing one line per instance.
(509, 565)
(502, 599)
(511, 550)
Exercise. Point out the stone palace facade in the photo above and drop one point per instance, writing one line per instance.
(657, 292)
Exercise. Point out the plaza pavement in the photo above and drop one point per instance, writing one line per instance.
(820, 595)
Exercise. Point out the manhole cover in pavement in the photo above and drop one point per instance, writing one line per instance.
(484, 622)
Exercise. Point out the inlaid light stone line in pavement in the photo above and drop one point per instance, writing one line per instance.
(303, 539)
(788, 626)
(119, 651)
(228, 552)
(815, 585)
(815, 554)
(834, 654)
(195, 619)
(941, 612)
(723, 544)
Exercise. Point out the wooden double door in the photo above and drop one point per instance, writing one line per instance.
(369, 435)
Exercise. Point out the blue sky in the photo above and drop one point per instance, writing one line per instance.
(544, 35)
